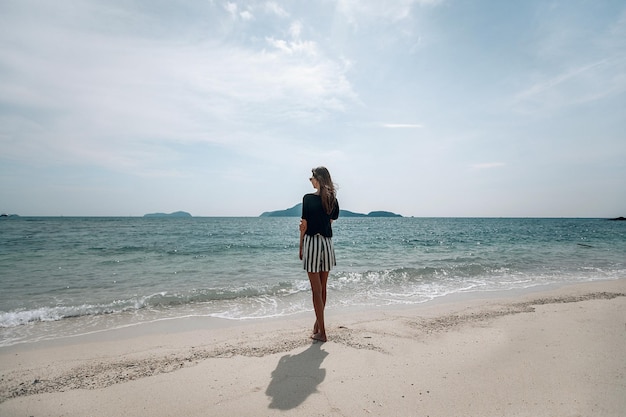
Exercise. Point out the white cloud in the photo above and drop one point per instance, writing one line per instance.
(295, 30)
(295, 45)
(274, 8)
(582, 84)
(231, 8)
(578, 56)
(393, 10)
(246, 15)
(292, 47)
(126, 102)
(553, 82)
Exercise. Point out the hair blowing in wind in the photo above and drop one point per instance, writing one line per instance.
(327, 188)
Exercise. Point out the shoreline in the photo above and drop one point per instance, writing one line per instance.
(118, 324)
(83, 372)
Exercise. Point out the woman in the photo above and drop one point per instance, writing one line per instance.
(319, 209)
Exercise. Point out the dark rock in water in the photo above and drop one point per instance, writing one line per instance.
(382, 214)
(619, 218)
(294, 211)
(177, 214)
(348, 213)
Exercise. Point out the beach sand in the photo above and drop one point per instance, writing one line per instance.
(554, 352)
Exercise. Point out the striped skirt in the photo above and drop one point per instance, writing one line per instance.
(318, 253)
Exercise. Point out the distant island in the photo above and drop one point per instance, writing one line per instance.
(296, 211)
(176, 214)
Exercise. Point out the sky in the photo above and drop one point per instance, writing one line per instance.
(426, 108)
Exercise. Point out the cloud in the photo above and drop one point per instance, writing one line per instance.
(576, 60)
(273, 8)
(553, 82)
(233, 10)
(128, 102)
(295, 30)
(143, 106)
(357, 11)
(246, 15)
(291, 47)
(583, 84)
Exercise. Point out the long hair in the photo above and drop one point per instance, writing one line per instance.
(327, 188)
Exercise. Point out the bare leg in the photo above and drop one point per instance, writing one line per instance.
(318, 305)
(324, 281)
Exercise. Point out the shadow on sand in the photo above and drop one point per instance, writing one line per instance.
(296, 377)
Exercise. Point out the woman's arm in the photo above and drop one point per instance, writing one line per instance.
(303, 226)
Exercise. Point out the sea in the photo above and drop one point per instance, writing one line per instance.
(66, 276)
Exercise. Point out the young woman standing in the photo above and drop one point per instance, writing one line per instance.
(319, 209)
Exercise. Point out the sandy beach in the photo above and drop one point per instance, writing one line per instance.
(553, 352)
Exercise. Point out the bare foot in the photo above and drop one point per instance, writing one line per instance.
(320, 337)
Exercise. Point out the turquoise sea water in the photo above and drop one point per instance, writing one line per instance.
(66, 276)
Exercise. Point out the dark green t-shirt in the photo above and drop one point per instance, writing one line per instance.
(318, 221)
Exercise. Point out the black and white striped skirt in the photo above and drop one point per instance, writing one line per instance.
(318, 253)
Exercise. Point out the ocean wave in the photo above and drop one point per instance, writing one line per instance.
(55, 313)
(402, 284)
(42, 314)
(159, 301)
